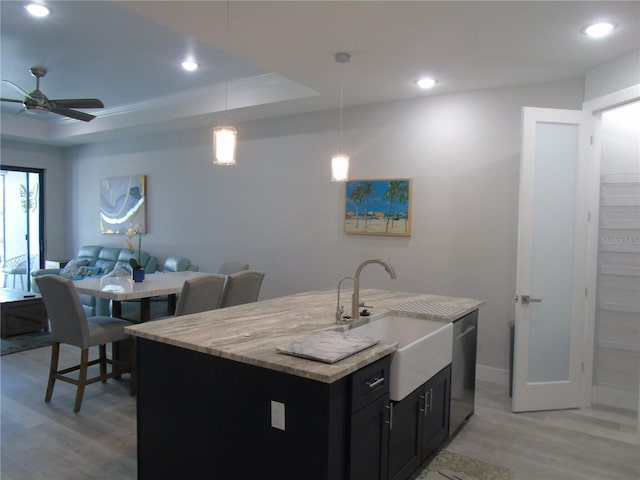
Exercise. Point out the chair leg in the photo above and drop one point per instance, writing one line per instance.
(53, 368)
(103, 362)
(82, 379)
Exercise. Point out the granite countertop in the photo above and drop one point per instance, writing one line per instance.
(253, 332)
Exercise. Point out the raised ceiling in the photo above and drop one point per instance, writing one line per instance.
(278, 56)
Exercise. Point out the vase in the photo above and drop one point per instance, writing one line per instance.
(138, 275)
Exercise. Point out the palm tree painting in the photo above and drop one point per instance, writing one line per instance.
(378, 207)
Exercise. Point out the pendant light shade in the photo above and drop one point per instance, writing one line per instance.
(224, 145)
(340, 161)
(339, 167)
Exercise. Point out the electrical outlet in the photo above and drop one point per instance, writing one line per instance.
(277, 415)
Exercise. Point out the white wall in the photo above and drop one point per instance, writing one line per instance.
(621, 73)
(278, 211)
(57, 225)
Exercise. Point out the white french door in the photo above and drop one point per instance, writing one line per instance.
(552, 259)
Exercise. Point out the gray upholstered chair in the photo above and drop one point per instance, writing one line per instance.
(242, 287)
(201, 294)
(70, 325)
(227, 268)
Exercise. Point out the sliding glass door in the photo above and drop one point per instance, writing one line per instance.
(21, 241)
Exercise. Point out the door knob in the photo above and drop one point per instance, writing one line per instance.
(526, 299)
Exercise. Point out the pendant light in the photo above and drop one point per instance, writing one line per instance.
(340, 161)
(225, 137)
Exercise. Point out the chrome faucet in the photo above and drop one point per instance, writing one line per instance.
(340, 308)
(355, 299)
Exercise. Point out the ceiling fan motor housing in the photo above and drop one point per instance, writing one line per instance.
(38, 72)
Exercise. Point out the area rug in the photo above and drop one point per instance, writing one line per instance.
(26, 341)
(453, 466)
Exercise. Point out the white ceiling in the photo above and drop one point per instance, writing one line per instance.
(278, 56)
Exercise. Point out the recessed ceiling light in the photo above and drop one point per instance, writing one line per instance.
(37, 10)
(426, 83)
(189, 65)
(599, 30)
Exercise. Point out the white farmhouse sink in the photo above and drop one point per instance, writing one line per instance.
(424, 348)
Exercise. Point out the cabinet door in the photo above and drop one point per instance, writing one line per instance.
(405, 435)
(436, 411)
(370, 441)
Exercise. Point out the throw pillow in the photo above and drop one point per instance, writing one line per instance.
(86, 272)
(120, 270)
(71, 269)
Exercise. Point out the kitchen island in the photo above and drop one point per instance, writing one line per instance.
(217, 400)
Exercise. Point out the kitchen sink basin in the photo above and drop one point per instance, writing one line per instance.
(424, 348)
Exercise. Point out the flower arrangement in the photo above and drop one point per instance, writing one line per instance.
(135, 263)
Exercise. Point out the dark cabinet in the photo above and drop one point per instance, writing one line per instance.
(369, 430)
(418, 424)
(344, 430)
(370, 441)
(437, 393)
(405, 434)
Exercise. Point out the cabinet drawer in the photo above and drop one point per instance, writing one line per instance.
(370, 383)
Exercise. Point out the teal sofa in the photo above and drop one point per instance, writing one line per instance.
(94, 261)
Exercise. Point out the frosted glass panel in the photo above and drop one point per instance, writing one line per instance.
(553, 222)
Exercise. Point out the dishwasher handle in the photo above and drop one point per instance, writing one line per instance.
(469, 329)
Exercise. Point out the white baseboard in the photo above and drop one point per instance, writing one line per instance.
(614, 397)
(498, 376)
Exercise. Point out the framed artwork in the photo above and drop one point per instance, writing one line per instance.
(378, 207)
(123, 204)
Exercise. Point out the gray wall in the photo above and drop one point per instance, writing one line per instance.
(57, 225)
(278, 211)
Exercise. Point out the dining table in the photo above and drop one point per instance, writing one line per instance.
(123, 288)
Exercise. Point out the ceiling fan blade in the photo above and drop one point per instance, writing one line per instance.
(67, 112)
(16, 87)
(78, 103)
(10, 100)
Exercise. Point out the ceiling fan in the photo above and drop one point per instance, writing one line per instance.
(38, 101)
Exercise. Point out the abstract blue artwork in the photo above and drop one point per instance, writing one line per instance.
(123, 204)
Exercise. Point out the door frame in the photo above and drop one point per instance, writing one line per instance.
(41, 216)
(596, 106)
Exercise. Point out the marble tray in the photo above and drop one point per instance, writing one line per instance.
(328, 347)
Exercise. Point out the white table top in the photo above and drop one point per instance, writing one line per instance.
(123, 288)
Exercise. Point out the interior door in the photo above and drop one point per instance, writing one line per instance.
(552, 259)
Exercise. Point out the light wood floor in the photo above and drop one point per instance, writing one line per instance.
(49, 441)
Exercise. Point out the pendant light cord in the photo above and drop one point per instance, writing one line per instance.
(341, 58)
(341, 101)
(226, 78)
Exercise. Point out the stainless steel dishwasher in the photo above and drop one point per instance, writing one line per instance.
(463, 370)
